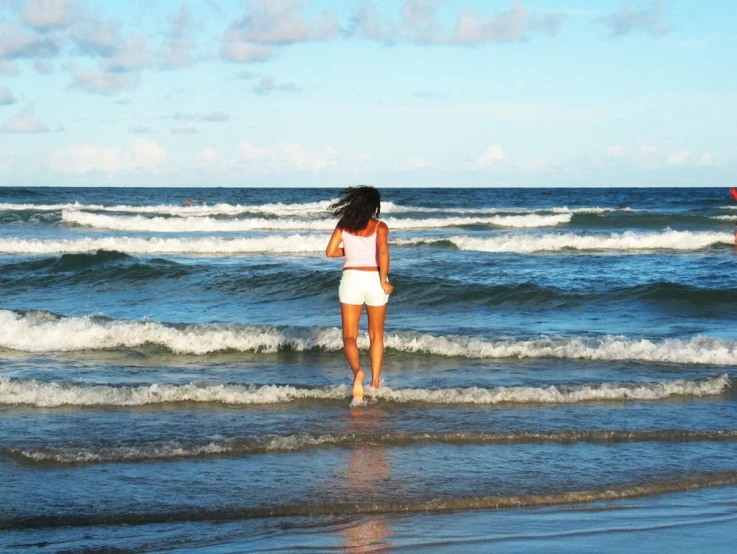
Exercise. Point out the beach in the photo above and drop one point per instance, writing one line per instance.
(558, 373)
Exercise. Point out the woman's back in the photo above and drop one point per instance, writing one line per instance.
(361, 248)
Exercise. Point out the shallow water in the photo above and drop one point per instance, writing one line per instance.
(558, 373)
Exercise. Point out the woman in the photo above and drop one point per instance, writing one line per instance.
(365, 245)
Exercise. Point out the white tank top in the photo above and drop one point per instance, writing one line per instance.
(360, 251)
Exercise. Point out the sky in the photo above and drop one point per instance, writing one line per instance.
(391, 93)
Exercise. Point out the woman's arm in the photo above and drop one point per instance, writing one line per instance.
(382, 241)
(333, 250)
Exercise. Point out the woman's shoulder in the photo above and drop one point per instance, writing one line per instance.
(381, 225)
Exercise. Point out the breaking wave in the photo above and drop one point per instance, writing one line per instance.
(155, 245)
(515, 243)
(209, 224)
(627, 241)
(318, 208)
(45, 332)
(51, 394)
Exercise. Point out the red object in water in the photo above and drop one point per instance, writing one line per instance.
(733, 192)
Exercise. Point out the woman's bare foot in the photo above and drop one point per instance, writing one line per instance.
(375, 385)
(358, 385)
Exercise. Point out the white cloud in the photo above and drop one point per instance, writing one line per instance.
(44, 67)
(273, 23)
(101, 82)
(679, 158)
(705, 159)
(282, 22)
(646, 149)
(212, 117)
(415, 162)
(207, 158)
(177, 51)
(147, 154)
(142, 155)
(6, 97)
(418, 21)
(20, 43)
(290, 155)
(304, 159)
(133, 54)
(215, 117)
(254, 153)
(268, 85)
(48, 14)
(367, 23)
(25, 121)
(504, 26)
(365, 156)
(237, 50)
(211, 160)
(7, 159)
(617, 151)
(490, 156)
(627, 20)
(95, 37)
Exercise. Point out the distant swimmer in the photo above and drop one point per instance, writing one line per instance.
(204, 203)
(189, 202)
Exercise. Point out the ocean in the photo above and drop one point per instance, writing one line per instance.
(557, 375)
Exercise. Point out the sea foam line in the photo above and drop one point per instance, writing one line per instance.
(244, 446)
(318, 208)
(627, 241)
(208, 224)
(43, 332)
(49, 395)
(519, 243)
(296, 243)
(304, 209)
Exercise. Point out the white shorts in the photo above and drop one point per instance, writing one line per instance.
(361, 287)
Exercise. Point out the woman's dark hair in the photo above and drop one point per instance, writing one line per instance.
(357, 207)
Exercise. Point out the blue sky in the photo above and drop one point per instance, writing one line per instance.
(390, 93)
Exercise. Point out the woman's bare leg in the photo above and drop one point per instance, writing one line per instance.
(376, 318)
(351, 315)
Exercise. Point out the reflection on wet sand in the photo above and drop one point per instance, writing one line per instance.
(368, 469)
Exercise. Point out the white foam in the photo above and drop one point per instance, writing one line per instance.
(155, 245)
(304, 209)
(521, 243)
(281, 209)
(388, 207)
(48, 395)
(627, 241)
(208, 224)
(42, 332)
(174, 449)
(190, 224)
(531, 220)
